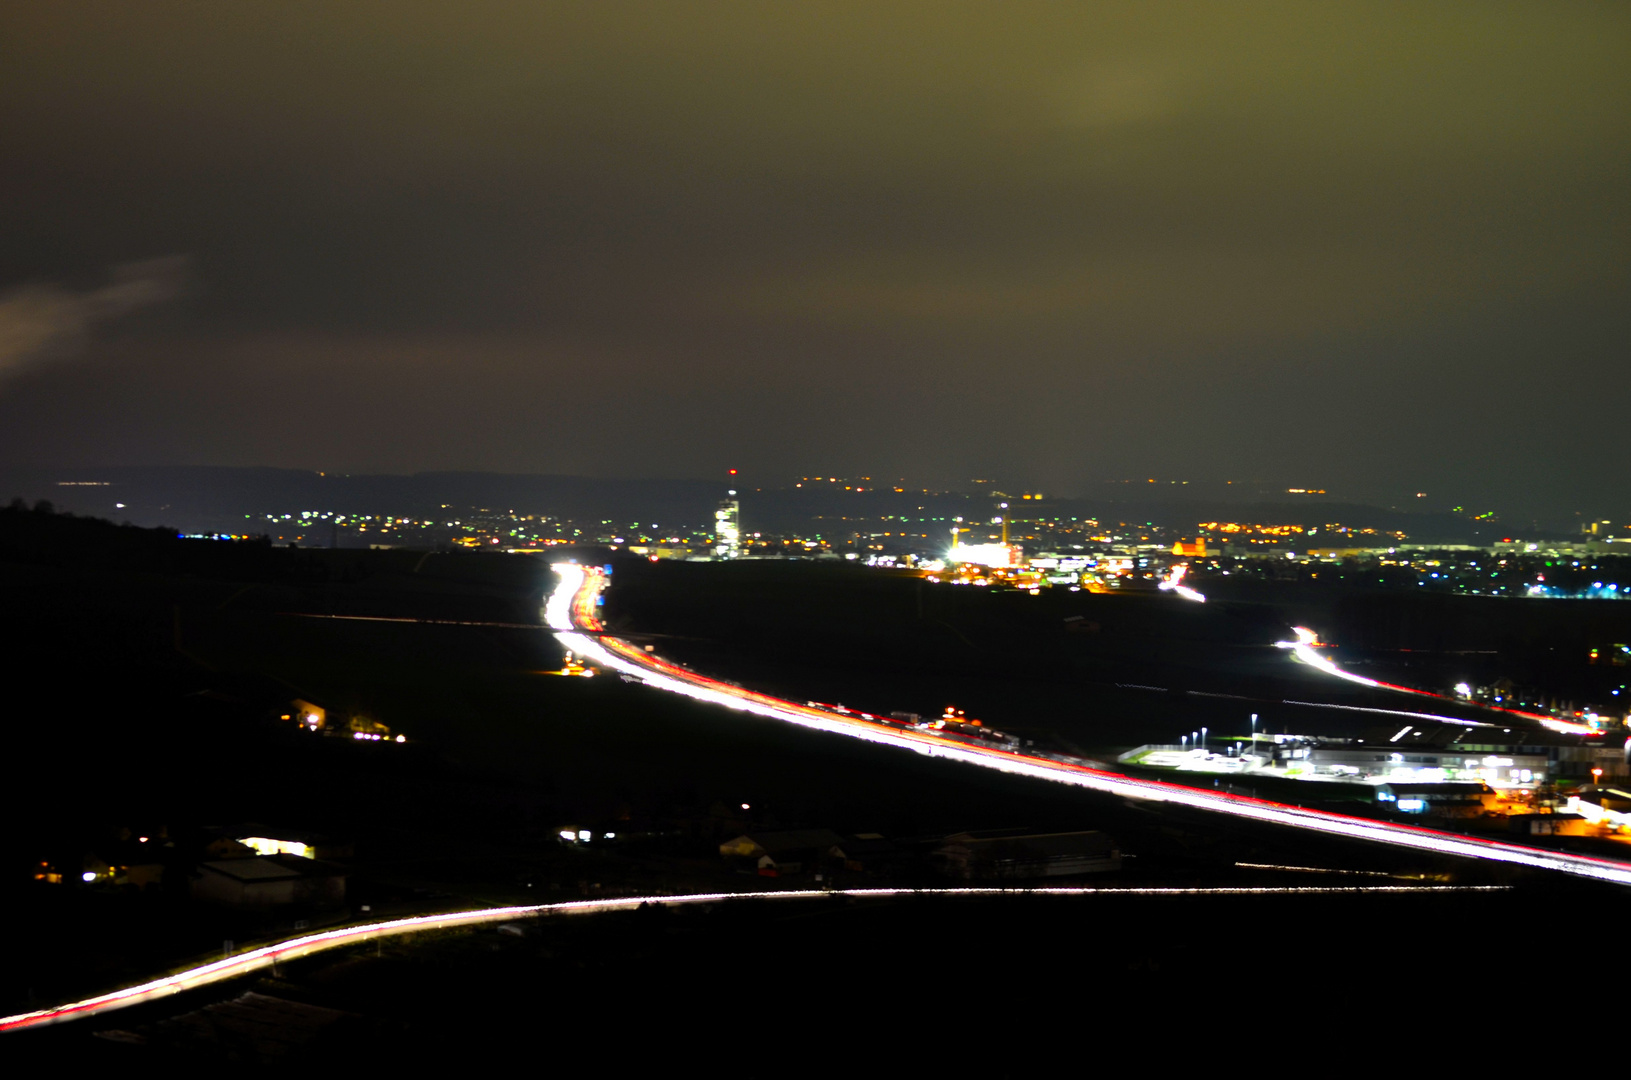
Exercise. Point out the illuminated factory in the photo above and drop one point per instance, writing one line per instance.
(1000, 555)
(1130, 568)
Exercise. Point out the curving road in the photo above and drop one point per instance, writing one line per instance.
(571, 612)
(253, 960)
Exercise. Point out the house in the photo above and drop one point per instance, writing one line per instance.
(1019, 854)
(866, 851)
(1551, 825)
(269, 881)
(773, 853)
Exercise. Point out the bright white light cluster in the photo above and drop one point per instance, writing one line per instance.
(1174, 582)
(993, 555)
(1303, 649)
(558, 609)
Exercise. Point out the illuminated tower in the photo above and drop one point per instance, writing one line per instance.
(728, 528)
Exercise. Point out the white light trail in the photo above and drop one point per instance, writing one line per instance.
(558, 609)
(1303, 649)
(1390, 712)
(1174, 582)
(618, 655)
(253, 960)
(1312, 869)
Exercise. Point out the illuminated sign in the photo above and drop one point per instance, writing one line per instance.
(986, 554)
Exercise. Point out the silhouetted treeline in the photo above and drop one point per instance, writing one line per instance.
(41, 535)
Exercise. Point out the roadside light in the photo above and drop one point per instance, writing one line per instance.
(88, 876)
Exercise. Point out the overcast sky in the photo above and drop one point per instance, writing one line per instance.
(1372, 248)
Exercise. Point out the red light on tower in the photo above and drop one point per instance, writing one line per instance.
(733, 472)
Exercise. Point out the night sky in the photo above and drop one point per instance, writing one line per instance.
(1372, 248)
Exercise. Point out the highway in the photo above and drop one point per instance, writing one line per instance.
(572, 612)
(1305, 648)
(250, 961)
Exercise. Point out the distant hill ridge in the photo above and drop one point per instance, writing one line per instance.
(230, 499)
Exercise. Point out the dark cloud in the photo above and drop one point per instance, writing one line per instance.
(1068, 241)
(40, 323)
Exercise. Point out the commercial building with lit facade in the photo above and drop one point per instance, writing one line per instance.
(1456, 798)
(728, 528)
(1418, 765)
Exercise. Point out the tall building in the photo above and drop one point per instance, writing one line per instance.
(728, 528)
